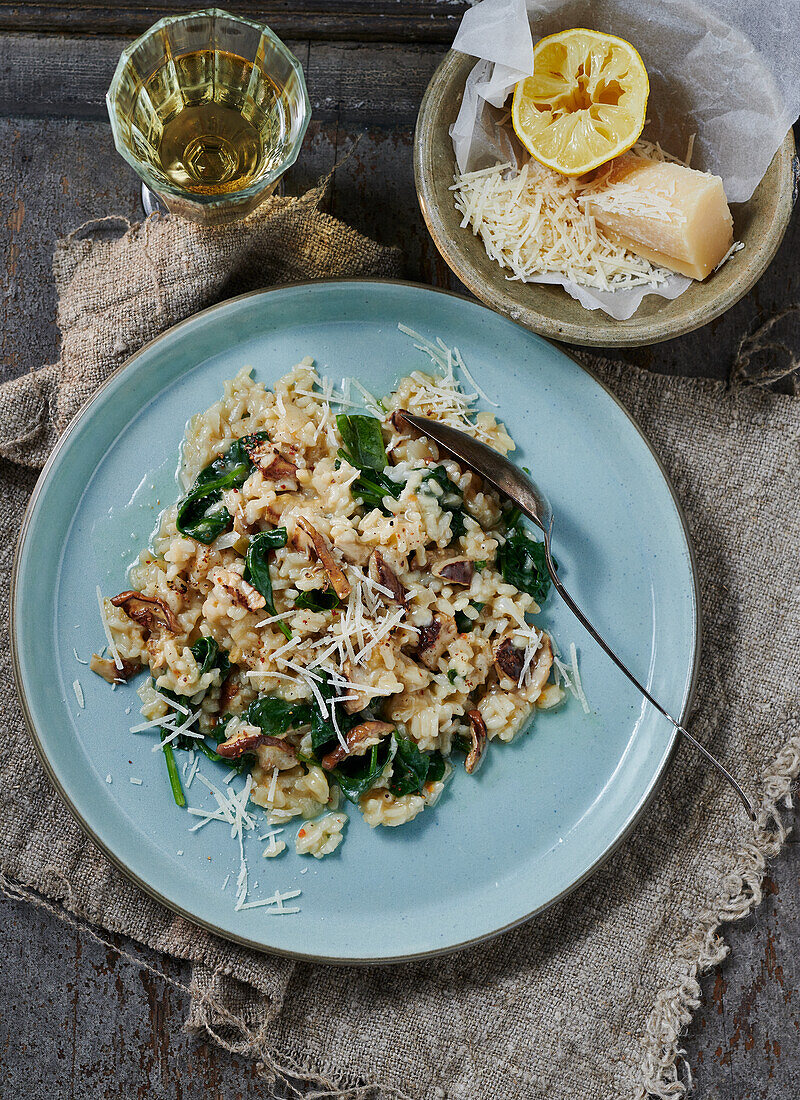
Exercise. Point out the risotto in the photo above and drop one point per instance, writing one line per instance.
(333, 606)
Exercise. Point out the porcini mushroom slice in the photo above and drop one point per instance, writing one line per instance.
(509, 660)
(455, 570)
(273, 465)
(362, 736)
(246, 740)
(479, 740)
(106, 668)
(148, 611)
(339, 583)
(362, 695)
(228, 692)
(383, 575)
(435, 638)
(540, 668)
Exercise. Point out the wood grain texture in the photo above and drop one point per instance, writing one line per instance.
(366, 20)
(76, 1020)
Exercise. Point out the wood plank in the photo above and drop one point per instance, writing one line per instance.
(78, 1020)
(372, 84)
(368, 20)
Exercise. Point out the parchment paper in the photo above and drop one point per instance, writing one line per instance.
(724, 70)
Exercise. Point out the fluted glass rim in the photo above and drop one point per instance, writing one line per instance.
(161, 186)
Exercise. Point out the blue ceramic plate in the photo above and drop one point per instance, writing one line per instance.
(543, 812)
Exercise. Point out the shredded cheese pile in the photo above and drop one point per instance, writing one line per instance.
(534, 222)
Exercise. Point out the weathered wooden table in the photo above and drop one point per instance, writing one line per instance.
(77, 1020)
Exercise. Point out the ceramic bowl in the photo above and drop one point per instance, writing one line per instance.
(760, 223)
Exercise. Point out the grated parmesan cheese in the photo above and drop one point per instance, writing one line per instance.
(534, 223)
(76, 687)
(112, 645)
(576, 678)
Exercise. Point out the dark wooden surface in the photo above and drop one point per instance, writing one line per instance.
(76, 1020)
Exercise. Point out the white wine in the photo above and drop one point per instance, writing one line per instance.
(212, 122)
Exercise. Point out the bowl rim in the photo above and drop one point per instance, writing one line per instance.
(609, 333)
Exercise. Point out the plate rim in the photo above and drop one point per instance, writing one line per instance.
(173, 906)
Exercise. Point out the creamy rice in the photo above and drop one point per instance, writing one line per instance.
(426, 557)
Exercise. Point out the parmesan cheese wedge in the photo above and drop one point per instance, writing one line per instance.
(673, 216)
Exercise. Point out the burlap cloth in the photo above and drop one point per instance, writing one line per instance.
(587, 1000)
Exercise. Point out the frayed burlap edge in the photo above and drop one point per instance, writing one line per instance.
(740, 875)
(703, 949)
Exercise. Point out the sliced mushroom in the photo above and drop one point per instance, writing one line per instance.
(324, 555)
(106, 668)
(240, 591)
(509, 660)
(248, 739)
(382, 574)
(273, 465)
(148, 611)
(362, 696)
(228, 692)
(399, 422)
(479, 740)
(540, 668)
(435, 638)
(455, 570)
(359, 739)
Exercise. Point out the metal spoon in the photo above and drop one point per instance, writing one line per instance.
(514, 484)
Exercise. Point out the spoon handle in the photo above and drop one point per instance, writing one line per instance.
(568, 600)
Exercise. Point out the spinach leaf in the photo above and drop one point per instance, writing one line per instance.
(273, 539)
(363, 442)
(409, 768)
(257, 567)
(436, 766)
(463, 622)
(322, 728)
(208, 655)
(452, 674)
(462, 744)
(275, 716)
(450, 499)
(412, 769)
(363, 448)
(318, 600)
(185, 742)
(323, 731)
(522, 563)
(201, 514)
(172, 772)
(371, 490)
(357, 774)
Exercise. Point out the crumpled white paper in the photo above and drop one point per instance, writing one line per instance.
(727, 71)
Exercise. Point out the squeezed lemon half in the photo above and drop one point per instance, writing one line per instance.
(585, 102)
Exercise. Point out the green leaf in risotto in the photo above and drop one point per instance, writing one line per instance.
(208, 655)
(201, 514)
(412, 769)
(362, 442)
(257, 567)
(522, 563)
(317, 600)
(356, 774)
(436, 483)
(275, 716)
